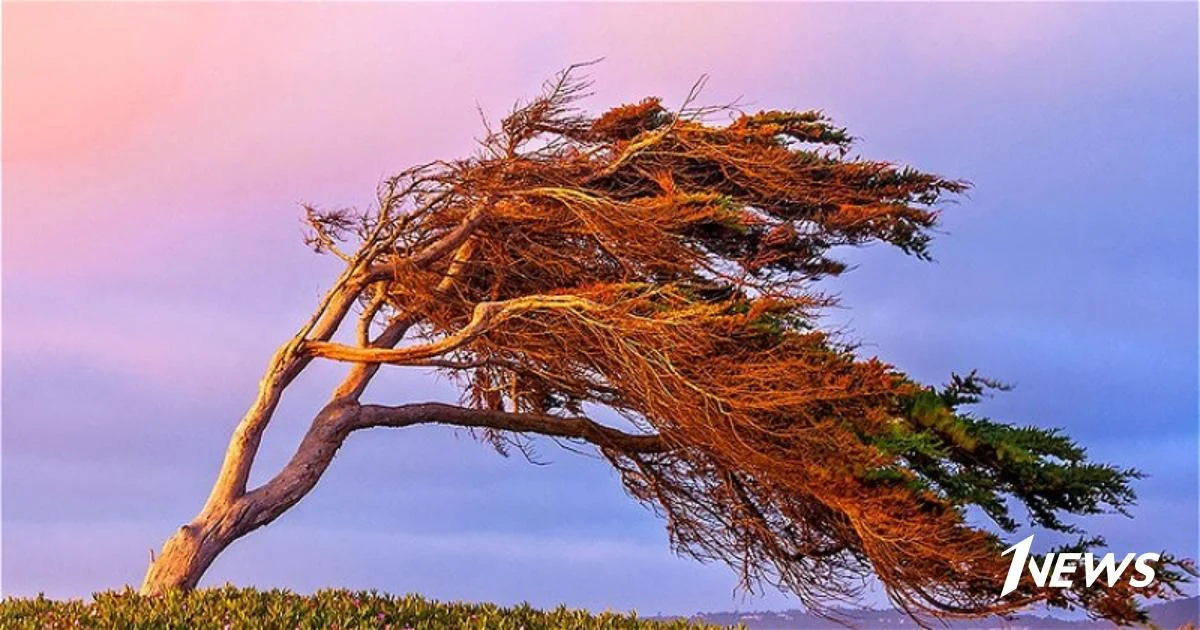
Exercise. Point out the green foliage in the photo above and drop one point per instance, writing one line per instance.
(974, 461)
(244, 608)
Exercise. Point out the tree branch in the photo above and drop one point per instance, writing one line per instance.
(486, 315)
(448, 243)
(335, 422)
(576, 427)
(285, 365)
(288, 363)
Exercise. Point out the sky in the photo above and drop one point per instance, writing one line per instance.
(154, 156)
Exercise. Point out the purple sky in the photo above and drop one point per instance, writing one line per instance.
(154, 155)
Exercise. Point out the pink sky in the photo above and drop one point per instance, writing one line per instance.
(112, 104)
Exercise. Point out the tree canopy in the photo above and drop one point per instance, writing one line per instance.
(667, 265)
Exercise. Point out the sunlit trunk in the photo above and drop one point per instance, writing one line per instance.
(188, 554)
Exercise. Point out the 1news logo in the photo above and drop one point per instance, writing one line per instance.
(1058, 569)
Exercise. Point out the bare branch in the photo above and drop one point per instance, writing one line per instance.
(486, 316)
(336, 422)
(575, 427)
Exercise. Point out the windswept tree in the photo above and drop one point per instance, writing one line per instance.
(667, 268)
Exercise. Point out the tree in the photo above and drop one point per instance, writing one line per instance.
(667, 268)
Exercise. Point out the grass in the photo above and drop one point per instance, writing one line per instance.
(230, 608)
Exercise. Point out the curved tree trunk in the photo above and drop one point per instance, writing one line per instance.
(193, 548)
(232, 511)
(188, 554)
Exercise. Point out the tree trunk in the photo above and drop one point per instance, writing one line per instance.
(188, 554)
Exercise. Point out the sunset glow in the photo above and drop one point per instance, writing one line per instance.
(155, 156)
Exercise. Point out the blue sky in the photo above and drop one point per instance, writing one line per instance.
(152, 260)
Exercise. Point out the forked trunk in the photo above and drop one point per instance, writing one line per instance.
(188, 554)
(191, 550)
